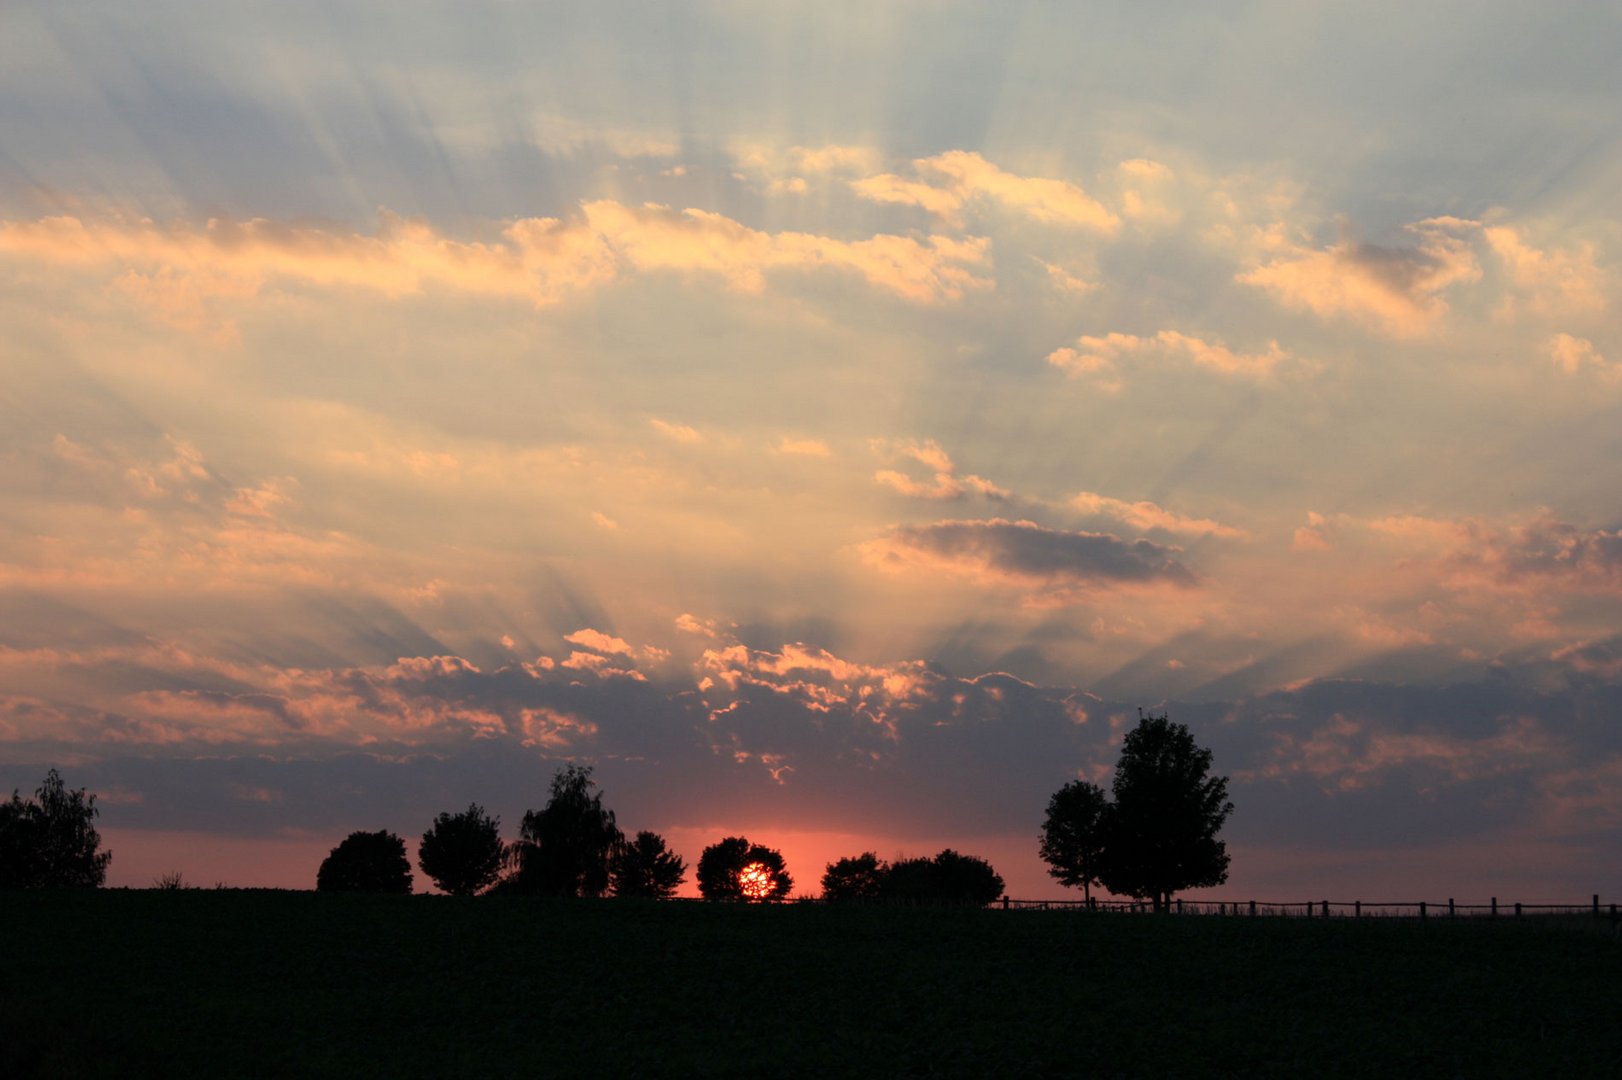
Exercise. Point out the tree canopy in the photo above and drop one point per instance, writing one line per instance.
(567, 847)
(735, 869)
(948, 878)
(462, 853)
(372, 862)
(645, 867)
(51, 839)
(1159, 834)
(1073, 835)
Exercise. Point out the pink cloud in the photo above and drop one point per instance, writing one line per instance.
(948, 182)
(1100, 355)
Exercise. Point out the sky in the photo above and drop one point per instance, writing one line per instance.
(831, 422)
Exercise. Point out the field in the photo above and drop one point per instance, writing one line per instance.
(120, 983)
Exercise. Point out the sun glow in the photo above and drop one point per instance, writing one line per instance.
(756, 881)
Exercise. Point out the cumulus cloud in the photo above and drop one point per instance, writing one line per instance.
(1100, 355)
(681, 433)
(1029, 556)
(1575, 355)
(1546, 281)
(1398, 290)
(948, 183)
(944, 484)
(802, 447)
(1147, 515)
(598, 641)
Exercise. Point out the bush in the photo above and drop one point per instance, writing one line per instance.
(735, 869)
(373, 862)
(645, 867)
(462, 853)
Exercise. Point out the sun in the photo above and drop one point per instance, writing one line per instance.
(756, 881)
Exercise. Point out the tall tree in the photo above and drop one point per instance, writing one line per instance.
(567, 848)
(1162, 830)
(645, 867)
(462, 853)
(735, 869)
(51, 839)
(366, 862)
(1074, 835)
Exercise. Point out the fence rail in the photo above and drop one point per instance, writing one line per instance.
(1326, 909)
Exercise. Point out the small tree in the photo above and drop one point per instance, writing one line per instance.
(50, 840)
(856, 878)
(735, 869)
(462, 853)
(645, 867)
(567, 848)
(1161, 834)
(1073, 836)
(366, 862)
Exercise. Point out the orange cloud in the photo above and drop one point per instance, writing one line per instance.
(946, 484)
(1099, 355)
(1398, 290)
(1148, 515)
(949, 182)
(1573, 355)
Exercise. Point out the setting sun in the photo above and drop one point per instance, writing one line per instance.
(755, 881)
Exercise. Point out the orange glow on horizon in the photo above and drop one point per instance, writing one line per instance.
(756, 881)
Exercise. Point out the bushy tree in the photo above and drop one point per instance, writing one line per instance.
(1074, 834)
(462, 853)
(735, 869)
(948, 878)
(567, 848)
(372, 862)
(1168, 810)
(645, 867)
(50, 840)
(1159, 834)
(859, 877)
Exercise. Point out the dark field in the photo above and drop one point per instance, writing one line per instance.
(214, 983)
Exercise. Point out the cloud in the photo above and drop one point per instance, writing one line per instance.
(1398, 290)
(1029, 556)
(1147, 515)
(681, 433)
(802, 447)
(180, 273)
(598, 641)
(945, 484)
(948, 183)
(1574, 355)
(1100, 355)
(1548, 282)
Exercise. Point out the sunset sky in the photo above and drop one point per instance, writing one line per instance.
(831, 421)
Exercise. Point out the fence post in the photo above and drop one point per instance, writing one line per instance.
(1326, 909)
(1179, 905)
(1422, 909)
(1005, 903)
(1357, 909)
(1495, 906)
(1450, 907)
(1517, 909)
(1596, 905)
(1253, 908)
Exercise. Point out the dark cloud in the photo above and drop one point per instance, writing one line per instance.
(1027, 553)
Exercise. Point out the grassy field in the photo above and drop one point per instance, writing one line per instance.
(121, 983)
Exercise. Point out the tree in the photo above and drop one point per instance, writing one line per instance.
(1073, 836)
(567, 848)
(645, 867)
(50, 840)
(948, 878)
(463, 852)
(373, 862)
(1161, 834)
(735, 869)
(857, 878)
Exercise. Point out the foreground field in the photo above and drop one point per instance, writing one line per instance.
(283, 983)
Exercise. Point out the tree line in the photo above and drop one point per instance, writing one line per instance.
(1154, 834)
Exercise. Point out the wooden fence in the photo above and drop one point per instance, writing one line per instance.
(1422, 909)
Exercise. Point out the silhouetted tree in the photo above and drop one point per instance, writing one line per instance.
(463, 852)
(735, 869)
(645, 867)
(948, 878)
(857, 878)
(567, 848)
(366, 862)
(1074, 834)
(1161, 833)
(50, 840)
